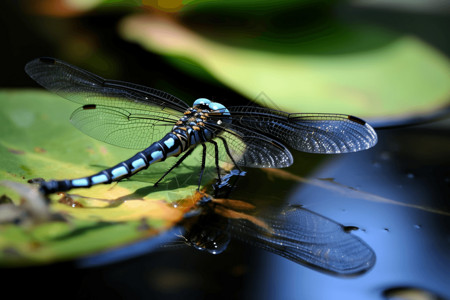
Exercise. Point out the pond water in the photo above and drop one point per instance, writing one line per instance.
(401, 207)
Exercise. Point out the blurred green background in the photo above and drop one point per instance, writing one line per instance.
(371, 59)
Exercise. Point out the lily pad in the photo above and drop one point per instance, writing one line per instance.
(37, 140)
(363, 71)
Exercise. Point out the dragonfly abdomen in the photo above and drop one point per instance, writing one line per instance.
(168, 146)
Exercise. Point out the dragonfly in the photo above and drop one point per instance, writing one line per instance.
(292, 232)
(137, 117)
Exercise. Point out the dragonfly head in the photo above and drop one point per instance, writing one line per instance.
(214, 107)
(202, 102)
(217, 107)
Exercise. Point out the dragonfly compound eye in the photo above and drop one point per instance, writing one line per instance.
(202, 101)
(217, 107)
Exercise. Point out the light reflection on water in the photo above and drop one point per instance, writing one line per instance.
(411, 243)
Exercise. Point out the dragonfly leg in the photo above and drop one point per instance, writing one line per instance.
(216, 156)
(175, 165)
(228, 152)
(203, 166)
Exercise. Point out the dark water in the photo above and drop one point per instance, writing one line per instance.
(411, 236)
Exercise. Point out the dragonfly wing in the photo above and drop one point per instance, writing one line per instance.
(83, 87)
(250, 149)
(132, 128)
(120, 113)
(314, 133)
(309, 239)
(331, 133)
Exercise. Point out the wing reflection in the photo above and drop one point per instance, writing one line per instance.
(292, 232)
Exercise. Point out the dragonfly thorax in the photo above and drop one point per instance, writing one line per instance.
(192, 130)
(193, 117)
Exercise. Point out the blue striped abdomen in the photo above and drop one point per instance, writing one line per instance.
(168, 146)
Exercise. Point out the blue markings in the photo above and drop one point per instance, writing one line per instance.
(80, 182)
(212, 105)
(169, 142)
(220, 108)
(118, 172)
(203, 101)
(99, 179)
(138, 164)
(156, 156)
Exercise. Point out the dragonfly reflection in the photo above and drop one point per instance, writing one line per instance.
(294, 233)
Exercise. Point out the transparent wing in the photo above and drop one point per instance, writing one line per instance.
(131, 128)
(249, 148)
(83, 87)
(314, 133)
(116, 112)
(307, 238)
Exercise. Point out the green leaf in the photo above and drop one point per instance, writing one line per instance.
(37, 140)
(363, 71)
